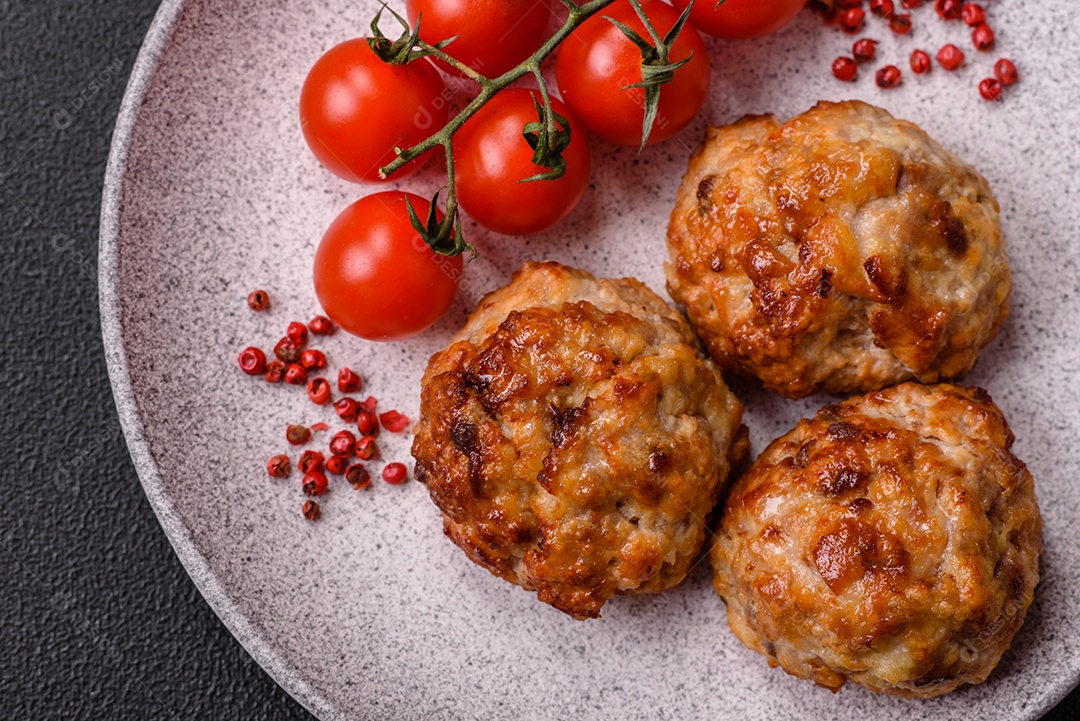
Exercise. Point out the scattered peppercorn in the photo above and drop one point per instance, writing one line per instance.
(367, 423)
(335, 465)
(321, 325)
(1005, 71)
(295, 375)
(287, 351)
(349, 381)
(982, 37)
(279, 466)
(358, 476)
(311, 461)
(920, 62)
(864, 50)
(972, 14)
(275, 371)
(394, 473)
(845, 69)
(252, 361)
(850, 16)
(258, 300)
(990, 89)
(315, 483)
(297, 435)
(852, 20)
(292, 363)
(313, 359)
(318, 391)
(347, 409)
(393, 421)
(366, 448)
(882, 8)
(900, 24)
(297, 333)
(888, 77)
(949, 9)
(950, 57)
(343, 444)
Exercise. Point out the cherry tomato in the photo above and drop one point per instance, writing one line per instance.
(375, 277)
(741, 19)
(491, 157)
(493, 36)
(597, 62)
(354, 109)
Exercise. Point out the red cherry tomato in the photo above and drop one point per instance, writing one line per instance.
(491, 157)
(375, 277)
(354, 109)
(597, 62)
(741, 19)
(492, 36)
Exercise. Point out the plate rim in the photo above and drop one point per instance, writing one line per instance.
(196, 565)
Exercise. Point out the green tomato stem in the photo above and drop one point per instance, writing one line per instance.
(578, 14)
(452, 62)
(451, 191)
(545, 96)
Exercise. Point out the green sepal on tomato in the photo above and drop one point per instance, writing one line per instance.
(355, 108)
(495, 170)
(376, 277)
(489, 36)
(598, 67)
(741, 19)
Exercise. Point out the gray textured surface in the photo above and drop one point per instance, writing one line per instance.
(371, 613)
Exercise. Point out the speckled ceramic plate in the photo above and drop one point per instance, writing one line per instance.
(372, 613)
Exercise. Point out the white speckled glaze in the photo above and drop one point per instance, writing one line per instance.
(372, 613)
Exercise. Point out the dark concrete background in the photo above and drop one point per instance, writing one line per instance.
(99, 620)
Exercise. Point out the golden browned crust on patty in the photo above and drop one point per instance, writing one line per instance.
(842, 250)
(892, 540)
(575, 438)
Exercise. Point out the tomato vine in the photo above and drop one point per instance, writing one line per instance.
(548, 136)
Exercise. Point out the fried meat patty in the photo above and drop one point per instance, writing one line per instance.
(575, 438)
(893, 540)
(843, 250)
